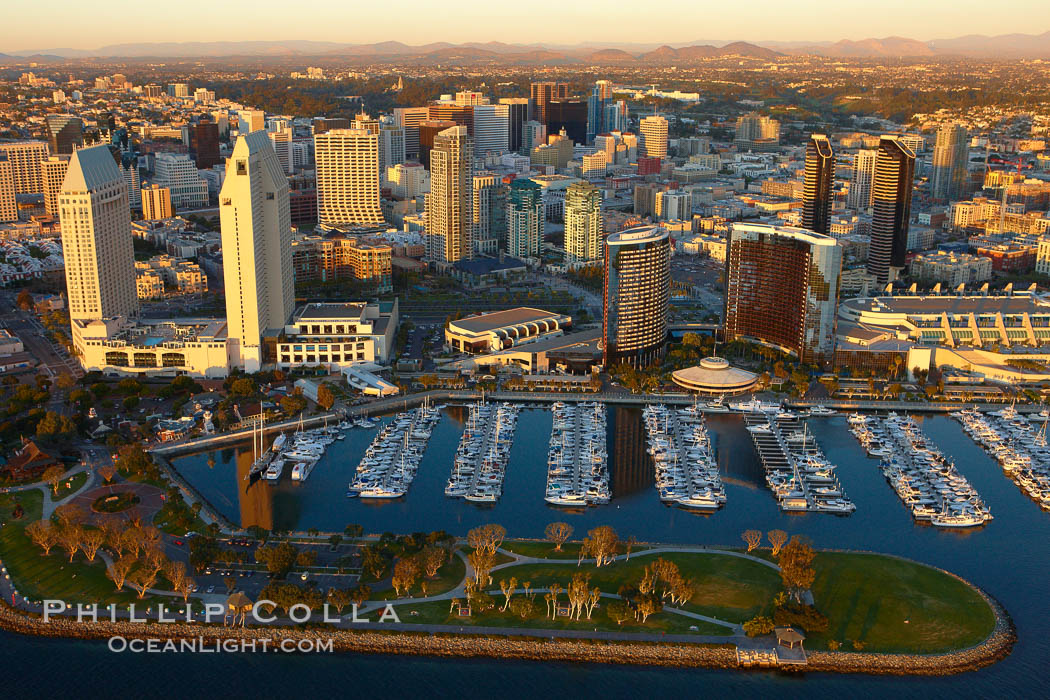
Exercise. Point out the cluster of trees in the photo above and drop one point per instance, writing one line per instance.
(591, 277)
(416, 550)
(637, 380)
(285, 595)
(280, 558)
(429, 381)
(133, 460)
(777, 540)
(137, 551)
(690, 351)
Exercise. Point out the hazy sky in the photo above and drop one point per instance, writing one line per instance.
(86, 25)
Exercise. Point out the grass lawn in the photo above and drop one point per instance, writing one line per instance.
(546, 550)
(71, 485)
(728, 588)
(896, 606)
(448, 577)
(437, 613)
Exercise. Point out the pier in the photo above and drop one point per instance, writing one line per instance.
(686, 470)
(577, 469)
(481, 459)
(1020, 449)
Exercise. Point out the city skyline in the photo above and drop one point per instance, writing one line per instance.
(931, 21)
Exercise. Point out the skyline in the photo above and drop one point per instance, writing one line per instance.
(807, 22)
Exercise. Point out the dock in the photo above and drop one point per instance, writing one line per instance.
(577, 461)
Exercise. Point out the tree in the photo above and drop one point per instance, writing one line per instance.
(118, 571)
(185, 587)
(143, 579)
(69, 536)
(508, 588)
(91, 541)
(334, 540)
(24, 300)
(325, 397)
(107, 472)
(278, 559)
(646, 606)
(523, 607)
(601, 543)
(360, 594)
(231, 583)
(432, 559)
(758, 625)
(405, 573)
(487, 537)
(53, 477)
(353, 530)
(242, 387)
(619, 611)
(629, 544)
(753, 539)
(338, 598)
(777, 538)
(558, 533)
(481, 561)
(43, 534)
(796, 570)
(176, 573)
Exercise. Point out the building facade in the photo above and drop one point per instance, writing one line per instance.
(583, 223)
(636, 294)
(525, 219)
(348, 179)
(891, 204)
(450, 202)
(820, 175)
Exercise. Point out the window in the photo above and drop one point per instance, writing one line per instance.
(242, 167)
(269, 195)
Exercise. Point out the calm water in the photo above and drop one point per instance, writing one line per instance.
(1008, 558)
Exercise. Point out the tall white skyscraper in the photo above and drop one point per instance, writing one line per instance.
(348, 178)
(8, 205)
(860, 184)
(652, 141)
(391, 144)
(25, 157)
(96, 237)
(948, 175)
(450, 203)
(256, 249)
(491, 128)
(583, 223)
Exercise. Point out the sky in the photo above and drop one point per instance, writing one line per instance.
(83, 25)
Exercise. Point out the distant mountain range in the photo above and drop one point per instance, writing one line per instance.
(1010, 46)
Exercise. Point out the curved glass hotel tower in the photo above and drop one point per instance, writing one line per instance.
(636, 295)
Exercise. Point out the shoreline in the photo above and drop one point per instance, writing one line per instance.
(996, 647)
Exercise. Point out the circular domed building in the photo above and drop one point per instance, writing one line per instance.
(714, 375)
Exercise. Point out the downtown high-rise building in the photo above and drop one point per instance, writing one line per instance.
(533, 134)
(179, 174)
(450, 202)
(652, 137)
(819, 177)
(204, 144)
(491, 129)
(636, 295)
(756, 132)
(569, 116)
(96, 238)
(891, 192)
(490, 214)
(53, 173)
(8, 203)
(517, 114)
(782, 289)
(409, 118)
(950, 156)
(583, 223)
(347, 163)
(859, 196)
(428, 133)
(156, 203)
(542, 93)
(525, 220)
(256, 251)
(64, 133)
(25, 158)
(391, 144)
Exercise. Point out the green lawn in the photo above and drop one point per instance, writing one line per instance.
(728, 588)
(448, 577)
(896, 606)
(547, 550)
(437, 612)
(71, 485)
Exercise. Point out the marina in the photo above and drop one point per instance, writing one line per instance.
(680, 446)
(389, 465)
(798, 473)
(480, 463)
(1014, 441)
(577, 462)
(924, 479)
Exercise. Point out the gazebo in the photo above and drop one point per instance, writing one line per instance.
(789, 637)
(237, 605)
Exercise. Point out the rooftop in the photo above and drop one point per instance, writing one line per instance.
(319, 311)
(937, 304)
(501, 319)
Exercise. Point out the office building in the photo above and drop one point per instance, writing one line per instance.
(533, 134)
(674, 205)
(583, 223)
(204, 96)
(525, 219)
(256, 251)
(409, 118)
(53, 172)
(408, 180)
(491, 129)
(636, 294)
(8, 204)
(323, 124)
(567, 115)
(542, 94)
(820, 175)
(251, 120)
(337, 336)
(348, 178)
(490, 214)
(64, 133)
(652, 137)
(782, 289)
(156, 203)
(25, 158)
(178, 173)
(96, 238)
(316, 259)
(391, 144)
(204, 144)
(950, 154)
(891, 203)
(461, 115)
(859, 196)
(428, 131)
(450, 203)
(517, 115)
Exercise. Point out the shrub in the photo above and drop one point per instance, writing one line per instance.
(805, 616)
(758, 625)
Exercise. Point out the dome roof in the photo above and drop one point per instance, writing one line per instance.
(715, 375)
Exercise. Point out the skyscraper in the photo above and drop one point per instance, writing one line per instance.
(428, 131)
(517, 115)
(8, 205)
(409, 118)
(570, 115)
(204, 144)
(491, 129)
(891, 202)
(64, 132)
(25, 158)
(156, 203)
(756, 132)
(820, 174)
(583, 223)
(256, 250)
(525, 220)
(636, 293)
(450, 203)
(96, 238)
(533, 134)
(391, 144)
(490, 214)
(348, 178)
(53, 172)
(543, 93)
(782, 289)
(949, 162)
(178, 173)
(859, 196)
(601, 95)
(652, 137)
